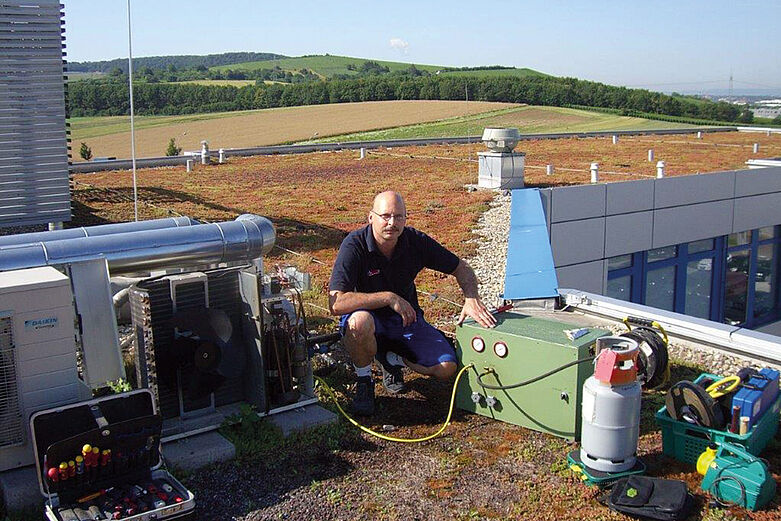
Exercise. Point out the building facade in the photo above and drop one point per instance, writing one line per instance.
(703, 245)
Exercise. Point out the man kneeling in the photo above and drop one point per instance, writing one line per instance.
(373, 288)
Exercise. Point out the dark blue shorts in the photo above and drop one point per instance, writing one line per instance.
(419, 342)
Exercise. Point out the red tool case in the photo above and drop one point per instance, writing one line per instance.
(112, 468)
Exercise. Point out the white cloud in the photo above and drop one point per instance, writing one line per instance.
(398, 43)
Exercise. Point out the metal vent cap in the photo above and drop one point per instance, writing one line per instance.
(501, 139)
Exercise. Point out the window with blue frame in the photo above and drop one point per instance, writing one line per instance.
(732, 279)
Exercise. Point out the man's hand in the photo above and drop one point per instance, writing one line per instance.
(473, 307)
(403, 308)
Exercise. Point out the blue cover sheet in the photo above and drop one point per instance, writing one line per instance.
(529, 273)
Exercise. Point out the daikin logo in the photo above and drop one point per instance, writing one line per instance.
(41, 323)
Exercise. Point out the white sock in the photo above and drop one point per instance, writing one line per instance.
(363, 371)
(394, 359)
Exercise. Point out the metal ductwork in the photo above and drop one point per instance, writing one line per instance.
(248, 237)
(94, 231)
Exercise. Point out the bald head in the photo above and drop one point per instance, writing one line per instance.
(389, 198)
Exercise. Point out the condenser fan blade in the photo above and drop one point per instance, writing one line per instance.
(219, 351)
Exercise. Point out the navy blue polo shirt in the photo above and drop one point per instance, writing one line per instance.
(361, 266)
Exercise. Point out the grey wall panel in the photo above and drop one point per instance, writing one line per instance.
(693, 189)
(692, 223)
(758, 181)
(628, 233)
(578, 202)
(34, 177)
(757, 211)
(585, 277)
(631, 196)
(575, 242)
(545, 196)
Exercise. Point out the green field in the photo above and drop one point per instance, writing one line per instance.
(325, 66)
(219, 83)
(492, 73)
(528, 119)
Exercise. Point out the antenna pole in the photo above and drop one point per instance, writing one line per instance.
(132, 116)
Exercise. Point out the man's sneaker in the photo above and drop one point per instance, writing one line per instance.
(392, 376)
(363, 401)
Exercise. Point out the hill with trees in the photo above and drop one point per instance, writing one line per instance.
(178, 62)
(107, 97)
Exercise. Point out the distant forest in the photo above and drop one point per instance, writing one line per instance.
(178, 62)
(110, 96)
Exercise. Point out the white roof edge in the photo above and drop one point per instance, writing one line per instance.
(738, 340)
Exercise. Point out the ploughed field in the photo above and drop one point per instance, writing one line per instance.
(480, 469)
(110, 136)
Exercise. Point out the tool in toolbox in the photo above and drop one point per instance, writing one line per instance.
(757, 394)
(737, 477)
(106, 462)
(687, 401)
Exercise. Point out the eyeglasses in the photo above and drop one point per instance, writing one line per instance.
(388, 216)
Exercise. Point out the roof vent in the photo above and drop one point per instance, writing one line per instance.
(501, 139)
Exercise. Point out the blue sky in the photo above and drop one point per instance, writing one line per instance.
(688, 46)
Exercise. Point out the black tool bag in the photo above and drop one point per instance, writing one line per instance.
(650, 498)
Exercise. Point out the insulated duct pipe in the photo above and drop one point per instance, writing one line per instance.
(94, 231)
(247, 238)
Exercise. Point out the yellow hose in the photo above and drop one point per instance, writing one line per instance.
(391, 438)
(724, 386)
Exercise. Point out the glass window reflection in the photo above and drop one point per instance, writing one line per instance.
(700, 246)
(617, 263)
(668, 252)
(736, 290)
(660, 288)
(699, 276)
(620, 288)
(765, 281)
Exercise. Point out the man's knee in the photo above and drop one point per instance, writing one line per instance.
(360, 325)
(444, 370)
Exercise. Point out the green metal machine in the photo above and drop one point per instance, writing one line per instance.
(519, 348)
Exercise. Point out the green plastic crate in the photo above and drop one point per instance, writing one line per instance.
(685, 441)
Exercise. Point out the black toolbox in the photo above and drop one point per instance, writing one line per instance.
(101, 459)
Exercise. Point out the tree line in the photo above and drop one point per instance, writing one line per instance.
(105, 97)
(180, 61)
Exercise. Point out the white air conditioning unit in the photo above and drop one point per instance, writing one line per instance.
(37, 355)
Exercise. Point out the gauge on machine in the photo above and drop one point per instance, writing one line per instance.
(478, 344)
(500, 348)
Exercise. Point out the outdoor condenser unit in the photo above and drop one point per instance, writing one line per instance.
(37, 355)
(202, 347)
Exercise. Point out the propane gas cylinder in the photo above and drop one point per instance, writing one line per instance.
(611, 407)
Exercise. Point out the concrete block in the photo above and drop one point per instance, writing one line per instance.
(589, 276)
(20, 489)
(631, 196)
(692, 223)
(757, 181)
(197, 451)
(575, 242)
(757, 211)
(628, 233)
(500, 170)
(693, 189)
(302, 418)
(571, 203)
